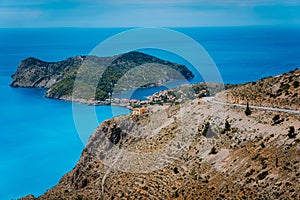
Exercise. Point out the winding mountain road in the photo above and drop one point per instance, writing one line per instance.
(212, 100)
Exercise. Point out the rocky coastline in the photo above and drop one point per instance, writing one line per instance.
(220, 153)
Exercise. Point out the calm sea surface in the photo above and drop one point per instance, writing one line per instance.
(38, 138)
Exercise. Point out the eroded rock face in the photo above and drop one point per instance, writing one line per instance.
(33, 72)
(29, 197)
(196, 150)
(248, 157)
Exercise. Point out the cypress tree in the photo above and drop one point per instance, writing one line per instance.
(248, 111)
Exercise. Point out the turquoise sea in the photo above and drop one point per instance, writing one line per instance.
(38, 138)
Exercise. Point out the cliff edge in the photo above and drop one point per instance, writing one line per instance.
(194, 150)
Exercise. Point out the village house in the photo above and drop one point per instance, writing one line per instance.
(139, 111)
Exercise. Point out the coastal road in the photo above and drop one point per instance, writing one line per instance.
(212, 100)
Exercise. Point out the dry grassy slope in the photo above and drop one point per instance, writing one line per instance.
(281, 91)
(250, 159)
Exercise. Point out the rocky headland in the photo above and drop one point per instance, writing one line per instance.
(92, 78)
(195, 150)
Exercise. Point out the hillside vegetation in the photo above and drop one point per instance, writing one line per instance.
(194, 150)
(281, 91)
(97, 77)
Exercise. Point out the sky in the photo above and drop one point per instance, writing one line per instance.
(147, 13)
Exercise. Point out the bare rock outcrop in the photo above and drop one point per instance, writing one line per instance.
(247, 157)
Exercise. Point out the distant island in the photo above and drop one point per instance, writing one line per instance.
(140, 71)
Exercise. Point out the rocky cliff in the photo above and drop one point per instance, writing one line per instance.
(33, 72)
(196, 150)
(247, 159)
(97, 77)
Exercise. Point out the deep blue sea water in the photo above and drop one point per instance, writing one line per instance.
(38, 138)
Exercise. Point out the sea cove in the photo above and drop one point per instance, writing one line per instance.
(38, 137)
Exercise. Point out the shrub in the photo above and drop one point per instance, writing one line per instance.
(262, 175)
(176, 171)
(285, 87)
(227, 126)
(292, 133)
(205, 129)
(296, 84)
(213, 151)
(276, 118)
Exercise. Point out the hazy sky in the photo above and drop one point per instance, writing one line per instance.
(142, 13)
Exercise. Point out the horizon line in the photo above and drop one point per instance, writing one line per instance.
(131, 27)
